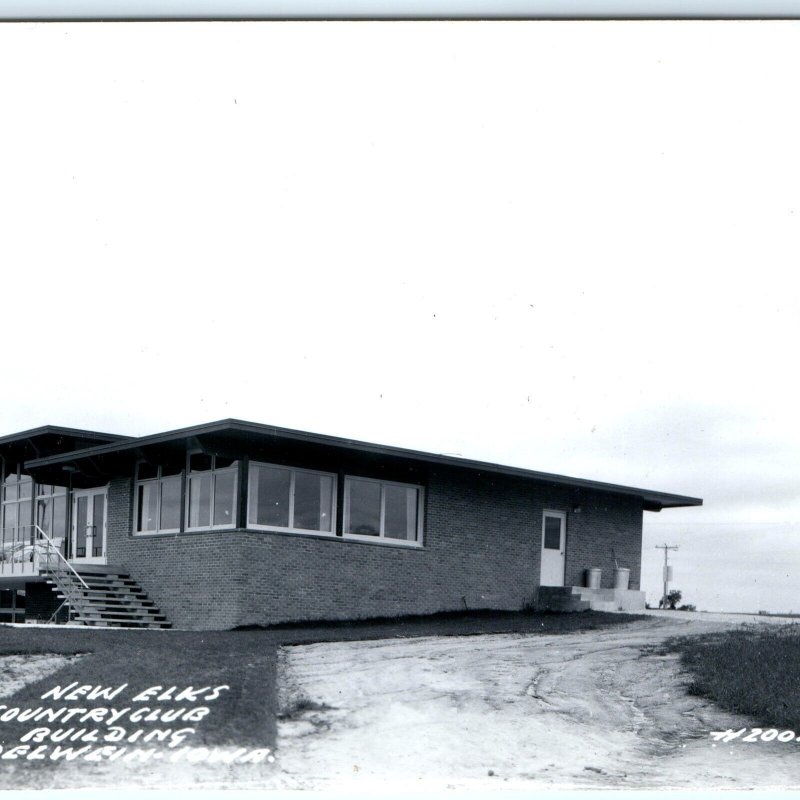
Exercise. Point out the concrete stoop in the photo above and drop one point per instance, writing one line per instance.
(581, 598)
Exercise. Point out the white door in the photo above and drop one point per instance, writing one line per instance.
(554, 548)
(89, 525)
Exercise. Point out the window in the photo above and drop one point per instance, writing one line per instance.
(51, 510)
(16, 513)
(211, 492)
(382, 510)
(286, 499)
(158, 498)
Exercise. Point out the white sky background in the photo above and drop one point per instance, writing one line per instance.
(571, 247)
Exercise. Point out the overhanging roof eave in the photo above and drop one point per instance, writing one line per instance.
(56, 430)
(661, 499)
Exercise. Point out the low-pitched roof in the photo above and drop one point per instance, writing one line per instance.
(56, 430)
(652, 500)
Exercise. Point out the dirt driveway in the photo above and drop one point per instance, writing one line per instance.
(512, 710)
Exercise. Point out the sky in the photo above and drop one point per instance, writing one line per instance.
(381, 9)
(570, 247)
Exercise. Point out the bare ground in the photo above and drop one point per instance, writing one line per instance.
(598, 709)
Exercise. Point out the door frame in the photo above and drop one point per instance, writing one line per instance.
(73, 532)
(562, 515)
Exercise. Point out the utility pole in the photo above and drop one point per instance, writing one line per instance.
(667, 570)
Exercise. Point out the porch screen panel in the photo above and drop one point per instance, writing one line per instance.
(364, 508)
(312, 501)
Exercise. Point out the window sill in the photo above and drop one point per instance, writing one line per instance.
(383, 541)
(325, 537)
(178, 534)
(292, 532)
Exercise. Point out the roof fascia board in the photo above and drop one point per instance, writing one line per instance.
(662, 498)
(55, 430)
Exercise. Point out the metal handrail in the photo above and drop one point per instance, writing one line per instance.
(58, 552)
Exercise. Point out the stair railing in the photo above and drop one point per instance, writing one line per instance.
(54, 568)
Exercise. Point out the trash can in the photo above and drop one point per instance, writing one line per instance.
(622, 576)
(592, 578)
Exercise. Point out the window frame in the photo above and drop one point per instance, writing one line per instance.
(293, 471)
(213, 472)
(30, 499)
(158, 480)
(54, 493)
(381, 538)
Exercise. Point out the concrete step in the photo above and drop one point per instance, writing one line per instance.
(113, 598)
(128, 624)
(122, 598)
(562, 604)
(99, 616)
(118, 611)
(569, 598)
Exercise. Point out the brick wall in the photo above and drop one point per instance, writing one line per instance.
(482, 541)
(607, 526)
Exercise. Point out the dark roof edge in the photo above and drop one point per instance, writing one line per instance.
(662, 499)
(57, 430)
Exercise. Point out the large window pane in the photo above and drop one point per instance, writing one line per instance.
(60, 516)
(10, 516)
(269, 495)
(552, 533)
(400, 513)
(200, 500)
(146, 470)
(224, 498)
(200, 462)
(312, 501)
(25, 512)
(148, 507)
(44, 514)
(171, 504)
(98, 523)
(364, 508)
(81, 518)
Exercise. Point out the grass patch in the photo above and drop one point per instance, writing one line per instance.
(444, 623)
(753, 670)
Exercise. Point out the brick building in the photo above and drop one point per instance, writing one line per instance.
(236, 523)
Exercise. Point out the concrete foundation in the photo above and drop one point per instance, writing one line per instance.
(581, 598)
